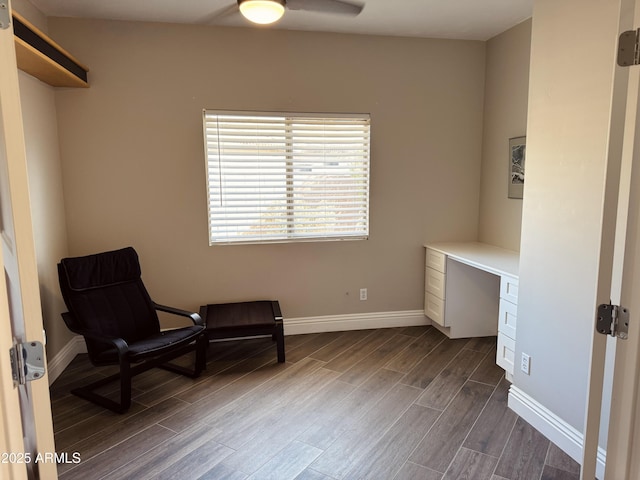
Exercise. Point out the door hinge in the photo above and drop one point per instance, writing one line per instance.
(613, 320)
(628, 49)
(5, 17)
(27, 362)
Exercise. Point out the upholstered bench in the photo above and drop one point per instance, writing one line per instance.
(245, 319)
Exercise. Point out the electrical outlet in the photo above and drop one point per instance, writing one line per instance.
(525, 363)
(363, 294)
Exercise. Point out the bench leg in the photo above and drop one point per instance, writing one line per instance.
(279, 338)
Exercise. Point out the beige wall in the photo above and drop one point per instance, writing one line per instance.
(31, 13)
(45, 188)
(563, 238)
(505, 116)
(47, 203)
(133, 165)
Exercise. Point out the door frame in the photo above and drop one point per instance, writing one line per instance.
(11, 112)
(622, 420)
(624, 430)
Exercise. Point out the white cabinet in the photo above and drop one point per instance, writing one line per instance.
(435, 286)
(471, 290)
(436, 260)
(460, 299)
(505, 356)
(507, 323)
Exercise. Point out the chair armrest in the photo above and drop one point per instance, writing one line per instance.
(119, 343)
(197, 320)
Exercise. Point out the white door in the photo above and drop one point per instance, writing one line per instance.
(624, 412)
(624, 432)
(28, 447)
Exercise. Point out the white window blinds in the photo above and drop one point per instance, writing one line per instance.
(282, 177)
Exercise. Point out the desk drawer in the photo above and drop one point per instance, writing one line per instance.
(436, 260)
(507, 318)
(434, 308)
(505, 357)
(509, 288)
(434, 282)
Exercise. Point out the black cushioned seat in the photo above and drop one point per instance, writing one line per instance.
(110, 306)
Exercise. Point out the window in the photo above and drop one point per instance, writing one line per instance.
(283, 177)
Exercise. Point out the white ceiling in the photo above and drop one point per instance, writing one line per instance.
(458, 19)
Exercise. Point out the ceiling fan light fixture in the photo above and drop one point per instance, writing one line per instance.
(262, 11)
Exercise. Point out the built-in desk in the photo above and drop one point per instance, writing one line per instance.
(471, 290)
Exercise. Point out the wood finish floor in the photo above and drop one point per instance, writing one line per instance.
(402, 403)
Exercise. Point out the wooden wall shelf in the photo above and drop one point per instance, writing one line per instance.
(43, 58)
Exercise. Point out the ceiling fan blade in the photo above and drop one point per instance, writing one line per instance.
(221, 13)
(326, 6)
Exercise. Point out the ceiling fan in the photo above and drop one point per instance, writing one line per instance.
(270, 11)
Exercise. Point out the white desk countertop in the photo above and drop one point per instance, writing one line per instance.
(481, 255)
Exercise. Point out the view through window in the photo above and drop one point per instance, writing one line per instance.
(281, 177)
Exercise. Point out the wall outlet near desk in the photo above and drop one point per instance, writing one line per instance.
(525, 363)
(363, 294)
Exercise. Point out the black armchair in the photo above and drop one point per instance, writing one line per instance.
(110, 307)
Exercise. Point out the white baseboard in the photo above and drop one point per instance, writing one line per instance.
(565, 436)
(64, 357)
(292, 326)
(354, 321)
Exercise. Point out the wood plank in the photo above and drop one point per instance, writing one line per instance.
(448, 383)
(289, 463)
(488, 371)
(524, 454)
(157, 393)
(357, 352)
(415, 330)
(96, 440)
(172, 452)
(364, 430)
(430, 366)
(558, 459)
(285, 424)
(308, 348)
(125, 452)
(345, 341)
(70, 410)
(222, 472)
(213, 383)
(88, 427)
(442, 442)
(219, 399)
(310, 474)
(494, 425)
(551, 473)
(470, 464)
(197, 462)
(357, 443)
(421, 347)
(366, 367)
(265, 395)
(395, 446)
(413, 471)
(481, 344)
(242, 423)
(328, 427)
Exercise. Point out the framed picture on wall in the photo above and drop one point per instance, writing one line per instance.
(517, 151)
